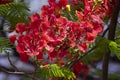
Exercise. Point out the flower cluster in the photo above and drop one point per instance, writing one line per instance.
(52, 34)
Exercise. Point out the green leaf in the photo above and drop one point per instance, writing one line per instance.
(14, 12)
(0, 50)
(53, 70)
(117, 36)
(4, 44)
(97, 54)
(70, 14)
(114, 47)
(111, 76)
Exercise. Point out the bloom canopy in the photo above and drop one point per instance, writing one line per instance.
(54, 34)
(48, 31)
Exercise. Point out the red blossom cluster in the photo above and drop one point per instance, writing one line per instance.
(80, 68)
(53, 34)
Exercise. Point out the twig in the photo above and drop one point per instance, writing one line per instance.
(105, 31)
(72, 63)
(11, 62)
(11, 71)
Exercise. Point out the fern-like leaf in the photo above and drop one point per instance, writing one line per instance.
(54, 71)
(4, 44)
(14, 12)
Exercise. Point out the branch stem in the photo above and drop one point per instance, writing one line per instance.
(111, 36)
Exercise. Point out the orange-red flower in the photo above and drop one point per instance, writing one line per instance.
(52, 34)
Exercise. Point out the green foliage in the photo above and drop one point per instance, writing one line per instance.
(111, 76)
(25, 78)
(54, 71)
(115, 48)
(4, 43)
(97, 54)
(14, 12)
(117, 34)
(70, 12)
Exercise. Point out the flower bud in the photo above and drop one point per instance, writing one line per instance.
(68, 7)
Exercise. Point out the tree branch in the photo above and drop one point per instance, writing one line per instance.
(12, 71)
(111, 36)
(72, 63)
(12, 63)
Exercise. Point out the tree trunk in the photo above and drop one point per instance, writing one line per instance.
(111, 36)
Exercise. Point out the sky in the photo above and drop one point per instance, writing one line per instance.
(35, 5)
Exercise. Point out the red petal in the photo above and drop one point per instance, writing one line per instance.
(97, 28)
(45, 26)
(87, 7)
(20, 48)
(62, 3)
(51, 2)
(35, 17)
(106, 4)
(24, 57)
(77, 68)
(12, 39)
(62, 53)
(33, 53)
(90, 37)
(49, 48)
(40, 56)
(79, 15)
(97, 19)
(20, 27)
(72, 43)
(82, 47)
(53, 55)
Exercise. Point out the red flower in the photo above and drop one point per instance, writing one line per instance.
(51, 2)
(49, 48)
(20, 48)
(52, 55)
(97, 28)
(24, 57)
(90, 37)
(40, 56)
(77, 68)
(62, 21)
(51, 33)
(85, 70)
(20, 28)
(106, 3)
(72, 43)
(83, 47)
(12, 39)
(79, 15)
(62, 53)
(87, 7)
(97, 19)
(62, 3)
(35, 17)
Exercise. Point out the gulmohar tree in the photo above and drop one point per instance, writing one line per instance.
(61, 38)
